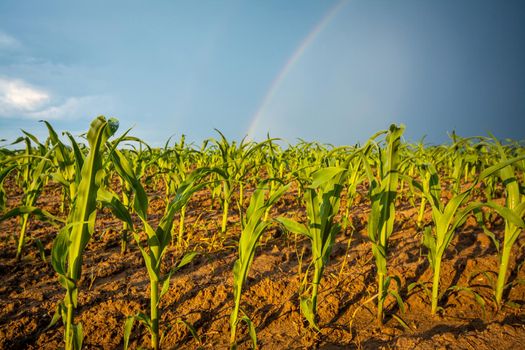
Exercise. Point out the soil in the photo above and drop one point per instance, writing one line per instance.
(116, 285)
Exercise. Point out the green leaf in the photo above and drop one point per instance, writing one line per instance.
(251, 330)
(497, 167)
(110, 200)
(128, 326)
(79, 156)
(84, 208)
(307, 311)
(186, 259)
(125, 169)
(400, 302)
(165, 287)
(277, 194)
(478, 214)
(324, 175)
(59, 252)
(379, 253)
(41, 214)
(506, 213)
(149, 260)
(41, 249)
(56, 316)
(478, 298)
(402, 322)
(3, 175)
(294, 226)
(144, 319)
(78, 336)
(192, 330)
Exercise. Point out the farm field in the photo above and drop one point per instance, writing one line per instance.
(228, 244)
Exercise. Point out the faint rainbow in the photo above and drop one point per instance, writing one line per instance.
(312, 35)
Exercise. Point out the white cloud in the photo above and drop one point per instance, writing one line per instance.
(8, 42)
(19, 99)
(18, 96)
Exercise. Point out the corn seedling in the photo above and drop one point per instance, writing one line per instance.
(68, 163)
(383, 190)
(174, 164)
(137, 161)
(446, 218)
(3, 174)
(253, 226)
(34, 171)
(513, 213)
(235, 166)
(322, 200)
(355, 177)
(69, 245)
(157, 242)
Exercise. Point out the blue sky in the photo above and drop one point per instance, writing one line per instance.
(330, 71)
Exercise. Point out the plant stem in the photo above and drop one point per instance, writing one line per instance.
(435, 285)
(124, 238)
(421, 211)
(315, 291)
(181, 224)
(22, 238)
(380, 297)
(154, 314)
(234, 316)
(241, 194)
(68, 336)
(225, 215)
(502, 274)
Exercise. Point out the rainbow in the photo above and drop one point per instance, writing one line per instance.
(305, 43)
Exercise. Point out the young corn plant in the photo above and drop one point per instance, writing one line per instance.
(274, 164)
(253, 226)
(157, 242)
(24, 211)
(68, 163)
(447, 218)
(174, 166)
(69, 245)
(322, 199)
(3, 174)
(33, 171)
(355, 177)
(32, 193)
(382, 192)
(236, 164)
(513, 213)
(138, 161)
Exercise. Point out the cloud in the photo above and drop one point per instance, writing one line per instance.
(19, 99)
(18, 96)
(8, 42)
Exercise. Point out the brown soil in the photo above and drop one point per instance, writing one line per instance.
(115, 286)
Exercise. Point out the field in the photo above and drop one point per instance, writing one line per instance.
(385, 245)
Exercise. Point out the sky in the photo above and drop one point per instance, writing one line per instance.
(329, 71)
